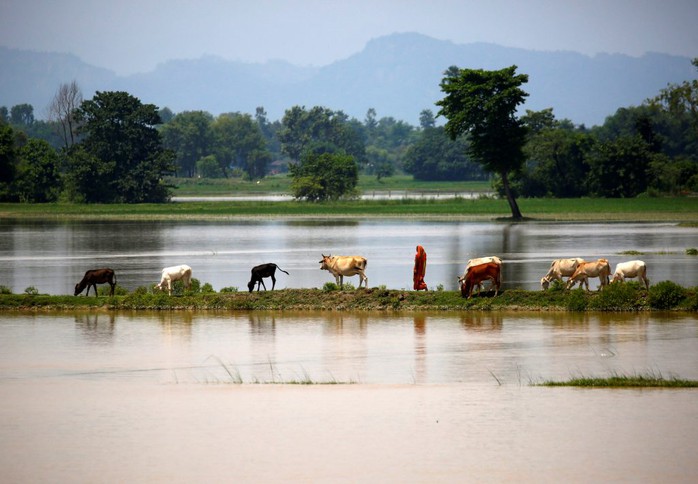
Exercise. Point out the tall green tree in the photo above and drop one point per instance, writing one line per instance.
(304, 129)
(324, 176)
(239, 142)
(8, 160)
(120, 136)
(39, 173)
(435, 156)
(189, 135)
(482, 104)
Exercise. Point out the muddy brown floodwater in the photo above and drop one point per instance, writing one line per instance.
(210, 397)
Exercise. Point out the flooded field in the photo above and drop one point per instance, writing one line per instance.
(52, 257)
(308, 397)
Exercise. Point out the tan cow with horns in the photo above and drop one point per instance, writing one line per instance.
(345, 265)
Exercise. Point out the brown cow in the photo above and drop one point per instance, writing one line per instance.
(478, 274)
(599, 268)
(345, 265)
(94, 277)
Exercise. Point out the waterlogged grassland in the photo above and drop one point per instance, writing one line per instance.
(683, 210)
(618, 297)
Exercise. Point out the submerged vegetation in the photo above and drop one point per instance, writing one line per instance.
(616, 297)
(648, 380)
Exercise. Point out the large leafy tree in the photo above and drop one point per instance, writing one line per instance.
(435, 156)
(303, 130)
(239, 142)
(121, 157)
(8, 160)
(38, 172)
(482, 104)
(189, 135)
(324, 176)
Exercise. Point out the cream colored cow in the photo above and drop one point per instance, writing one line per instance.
(345, 265)
(598, 268)
(631, 269)
(558, 269)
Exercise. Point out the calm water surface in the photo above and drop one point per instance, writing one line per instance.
(52, 257)
(143, 397)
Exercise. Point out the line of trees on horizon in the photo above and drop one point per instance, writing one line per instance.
(114, 148)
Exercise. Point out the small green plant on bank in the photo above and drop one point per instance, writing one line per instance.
(31, 291)
(666, 295)
(229, 289)
(692, 251)
(5, 290)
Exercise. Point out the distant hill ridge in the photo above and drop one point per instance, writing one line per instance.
(398, 75)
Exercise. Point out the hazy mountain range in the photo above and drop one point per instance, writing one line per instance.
(397, 75)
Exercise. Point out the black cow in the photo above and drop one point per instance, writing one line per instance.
(262, 271)
(94, 277)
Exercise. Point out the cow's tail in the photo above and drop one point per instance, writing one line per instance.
(281, 269)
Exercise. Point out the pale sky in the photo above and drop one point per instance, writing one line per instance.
(130, 36)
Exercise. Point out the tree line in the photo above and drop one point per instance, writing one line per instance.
(114, 148)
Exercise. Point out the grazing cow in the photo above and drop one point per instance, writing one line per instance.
(345, 265)
(598, 268)
(478, 274)
(262, 271)
(94, 277)
(631, 269)
(476, 262)
(172, 274)
(558, 269)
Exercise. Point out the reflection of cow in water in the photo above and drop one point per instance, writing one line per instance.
(260, 272)
(94, 277)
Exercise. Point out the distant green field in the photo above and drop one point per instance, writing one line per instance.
(684, 210)
(201, 187)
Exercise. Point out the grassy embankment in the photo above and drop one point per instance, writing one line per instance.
(618, 297)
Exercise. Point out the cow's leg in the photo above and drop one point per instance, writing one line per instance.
(340, 280)
(95, 288)
(261, 281)
(273, 282)
(111, 290)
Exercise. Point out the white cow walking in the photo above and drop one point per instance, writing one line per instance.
(172, 274)
(631, 269)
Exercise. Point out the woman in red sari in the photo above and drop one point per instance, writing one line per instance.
(420, 269)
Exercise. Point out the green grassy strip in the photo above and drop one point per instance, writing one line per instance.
(624, 381)
(619, 297)
(632, 209)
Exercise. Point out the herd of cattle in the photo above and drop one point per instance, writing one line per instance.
(477, 272)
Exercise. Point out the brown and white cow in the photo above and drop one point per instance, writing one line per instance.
(478, 274)
(172, 274)
(345, 265)
(631, 269)
(558, 269)
(476, 262)
(598, 268)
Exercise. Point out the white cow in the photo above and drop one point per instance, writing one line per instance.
(598, 268)
(172, 274)
(560, 268)
(631, 269)
(345, 265)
